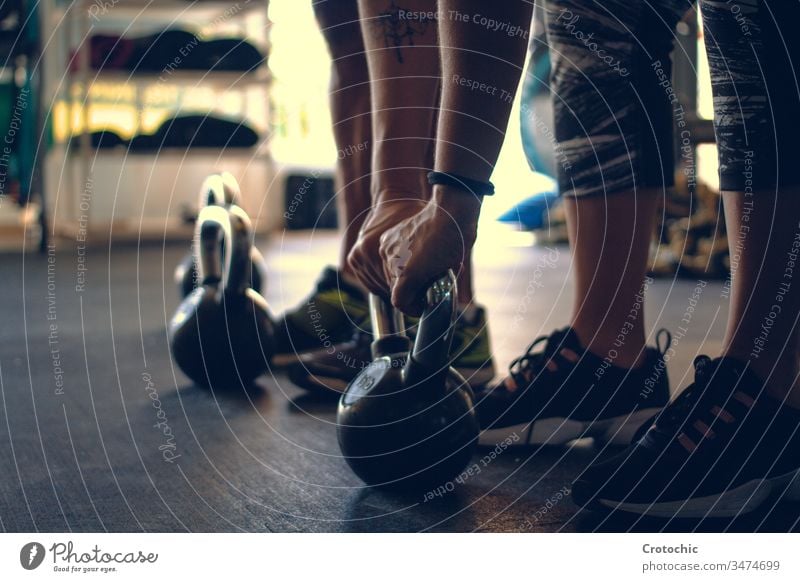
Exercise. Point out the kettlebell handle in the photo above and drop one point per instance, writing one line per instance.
(212, 250)
(241, 245)
(386, 320)
(223, 234)
(431, 349)
(435, 330)
(388, 328)
(232, 190)
(219, 190)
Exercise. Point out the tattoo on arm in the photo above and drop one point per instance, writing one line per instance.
(397, 31)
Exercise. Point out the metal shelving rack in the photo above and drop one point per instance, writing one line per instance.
(175, 173)
(20, 56)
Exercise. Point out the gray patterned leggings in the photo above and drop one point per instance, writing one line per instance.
(615, 109)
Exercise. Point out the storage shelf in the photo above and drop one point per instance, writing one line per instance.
(124, 184)
(170, 9)
(217, 79)
(254, 153)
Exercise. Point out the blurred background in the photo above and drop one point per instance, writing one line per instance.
(112, 113)
(113, 146)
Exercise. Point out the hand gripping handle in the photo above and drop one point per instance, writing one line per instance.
(431, 352)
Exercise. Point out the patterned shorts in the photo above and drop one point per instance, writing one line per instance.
(615, 110)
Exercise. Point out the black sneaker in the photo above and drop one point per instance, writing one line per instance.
(564, 392)
(330, 369)
(721, 449)
(327, 317)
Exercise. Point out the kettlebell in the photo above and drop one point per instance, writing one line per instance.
(407, 420)
(218, 190)
(221, 336)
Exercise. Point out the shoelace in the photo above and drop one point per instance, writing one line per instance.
(702, 411)
(678, 411)
(526, 366)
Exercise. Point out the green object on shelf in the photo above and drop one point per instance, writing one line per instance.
(8, 162)
(18, 108)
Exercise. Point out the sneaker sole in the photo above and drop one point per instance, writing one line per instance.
(618, 430)
(744, 499)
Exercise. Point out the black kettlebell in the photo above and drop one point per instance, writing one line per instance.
(221, 336)
(407, 420)
(218, 190)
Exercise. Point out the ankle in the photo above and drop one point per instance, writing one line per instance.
(781, 382)
(622, 351)
(790, 398)
(778, 376)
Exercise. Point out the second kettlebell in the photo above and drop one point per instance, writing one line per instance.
(218, 190)
(221, 336)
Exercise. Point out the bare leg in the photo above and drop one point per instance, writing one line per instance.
(765, 298)
(614, 130)
(610, 238)
(350, 112)
(758, 175)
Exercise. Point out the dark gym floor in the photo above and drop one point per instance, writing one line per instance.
(83, 442)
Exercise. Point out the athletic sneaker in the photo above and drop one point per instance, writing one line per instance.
(721, 449)
(558, 391)
(332, 368)
(328, 316)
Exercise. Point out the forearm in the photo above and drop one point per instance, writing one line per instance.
(483, 47)
(461, 207)
(403, 56)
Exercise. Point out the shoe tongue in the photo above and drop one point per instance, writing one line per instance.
(724, 375)
(329, 279)
(569, 340)
(718, 383)
(724, 388)
(562, 340)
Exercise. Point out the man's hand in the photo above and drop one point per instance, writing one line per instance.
(364, 258)
(424, 246)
